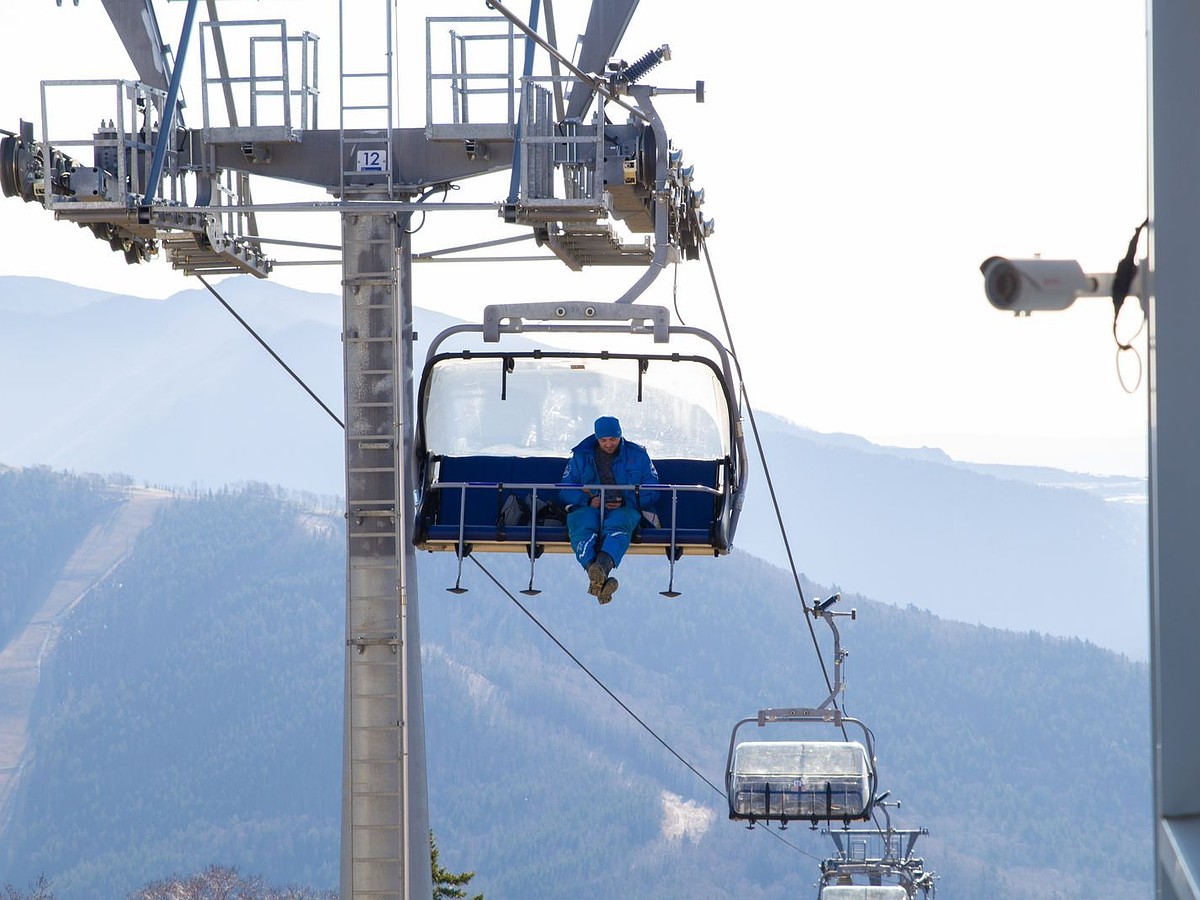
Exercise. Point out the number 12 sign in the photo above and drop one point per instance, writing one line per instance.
(371, 160)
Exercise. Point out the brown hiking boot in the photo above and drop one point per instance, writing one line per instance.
(597, 572)
(607, 590)
(596, 576)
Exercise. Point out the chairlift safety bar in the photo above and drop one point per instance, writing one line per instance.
(464, 486)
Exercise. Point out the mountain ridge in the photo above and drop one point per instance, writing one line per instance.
(178, 394)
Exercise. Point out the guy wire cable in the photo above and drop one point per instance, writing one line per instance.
(590, 675)
(618, 700)
(771, 485)
(762, 456)
(275, 355)
(444, 188)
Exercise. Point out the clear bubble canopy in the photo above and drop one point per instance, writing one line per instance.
(543, 405)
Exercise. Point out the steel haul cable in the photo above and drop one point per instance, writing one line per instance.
(762, 456)
(771, 486)
(274, 355)
(621, 703)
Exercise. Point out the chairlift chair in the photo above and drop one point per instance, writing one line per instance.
(874, 879)
(892, 872)
(823, 780)
(863, 892)
(497, 421)
(786, 781)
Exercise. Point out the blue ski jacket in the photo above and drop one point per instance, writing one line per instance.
(631, 465)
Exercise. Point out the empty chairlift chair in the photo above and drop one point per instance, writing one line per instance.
(497, 421)
(814, 781)
(890, 871)
(807, 780)
(789, 780)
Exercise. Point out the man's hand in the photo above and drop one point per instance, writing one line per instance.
(611, 503)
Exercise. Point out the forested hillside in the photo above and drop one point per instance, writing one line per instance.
(42, 516)
(193, 718)
(1013, 748)
(191, 715)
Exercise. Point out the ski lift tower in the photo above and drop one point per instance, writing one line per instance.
(157, 184)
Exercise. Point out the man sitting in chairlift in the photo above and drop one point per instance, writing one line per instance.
(600, 533)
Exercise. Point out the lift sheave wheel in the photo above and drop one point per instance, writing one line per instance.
(15, 161)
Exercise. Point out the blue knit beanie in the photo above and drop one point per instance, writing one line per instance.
(608, 427)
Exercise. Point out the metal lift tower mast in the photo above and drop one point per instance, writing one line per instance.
(1174, 147)
(1168, 294)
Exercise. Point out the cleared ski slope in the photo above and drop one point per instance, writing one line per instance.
(97, 555)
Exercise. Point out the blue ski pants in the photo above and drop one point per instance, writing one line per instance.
(583, 528)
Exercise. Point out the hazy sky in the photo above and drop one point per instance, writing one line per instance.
(860, 160)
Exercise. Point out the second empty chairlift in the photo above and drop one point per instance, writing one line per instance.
(863, 892)
(890, 872)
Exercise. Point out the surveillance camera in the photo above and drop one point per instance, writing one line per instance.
(1025, 285)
